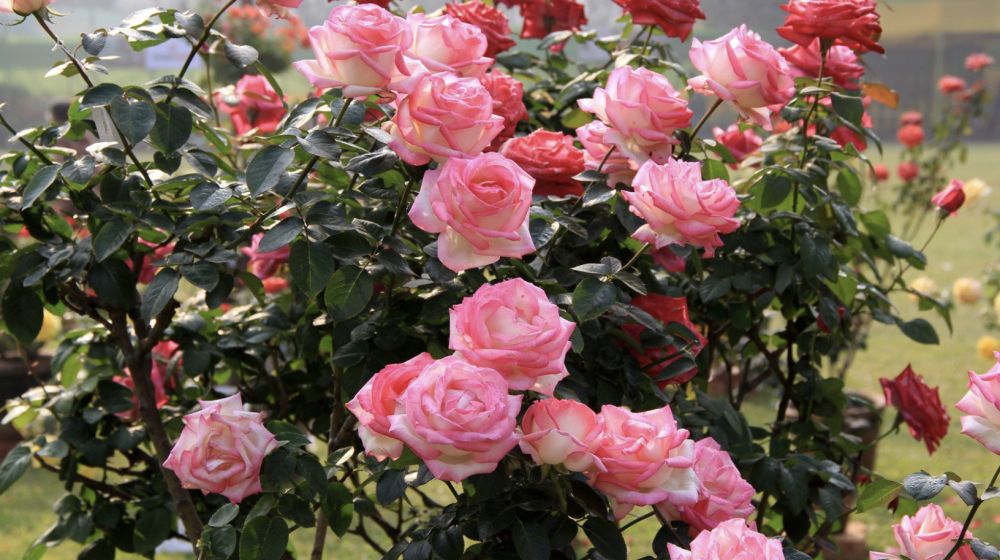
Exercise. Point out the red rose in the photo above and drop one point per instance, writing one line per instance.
(843, 136)
(911, 117)
(740, 144)
(907, 171)
(542, 17)
(254, 105)
(674, 17)
(852, 22)
(508, 102)
(667, 310)
(491, 21)
(841, 64)
(910, 135)
(951, 84)
(275, 284)
(881, 171)
(666, 258)
(822, 324)
(920, 406)
(148, 271)
(549, 157)
(951, 198)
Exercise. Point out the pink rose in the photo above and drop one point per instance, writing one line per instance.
(513, 328)
(257, 106)
(480, 206)
(23, 7)
(543, 17)
(549, 157)
(722, 492)
(360, 49)
(881, 171)
(444, 117)
(741, 68)
(730, 540)
(618, 167)
(148, 271)
(381, 398)
(446, 44)
(907, 171)
(277, 8)
(458, 418)
(928, 535)
(841, 64)
(982, 405)
(489, 19)
(951, 84)
(910, 135)
(911, 117)
(951, 198)
(221, 449)
(680, 208)
(740, 144)
(648, 460)
(975, 62)
(508, 102)
(642, 111)
(558, 432)
(265, 265)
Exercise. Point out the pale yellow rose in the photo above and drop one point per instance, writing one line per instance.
(986, 346)
(924, 285)
(975, 191)
(996, 305)
(967, 290)
(51, 326)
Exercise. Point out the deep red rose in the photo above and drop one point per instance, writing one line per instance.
(881, 171)
(853, 23)
(508, 102)
(951, 198)
(841, 64)
(911, 117)
(822, 324)
(491, 21)
(549, 157)
(255, 105)
(907, 171)
(667, 310)
(910, 135)
(542, 17)
(674, 17)
(920, 406)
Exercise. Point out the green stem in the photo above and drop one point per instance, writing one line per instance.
(399, 209)
(701, 123)
(197, 47)
(649, 35)
(642, 250)
(937, 226)
(968, 520)
(29, 145)
(453, 491)
(60, 44)
(639, 519)
(696, 259)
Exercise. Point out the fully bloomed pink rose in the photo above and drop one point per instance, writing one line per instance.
(360, 49)
(674, 17)
(23, 7)
(480, 206)
(458, 418)
(549, 157)
(513, 328)
(739, 143)
(680, 208)
(741, 68)
(444, 117)
(854, 23)
(730, 540)
(648, 460)
(951, 84)
(642, 111)
(508, 102)
(618, 167)
(982, 407)
(381, 398)
(221, 449)
(446, 44)
(489, 19)
(920, 406)
(277, 8)
(975, 62)
(257, 106)
(562, 432)
(722, 492)
(841, 64)
(928, 535)
(265, 265)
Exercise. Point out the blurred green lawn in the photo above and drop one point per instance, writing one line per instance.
(959, 250)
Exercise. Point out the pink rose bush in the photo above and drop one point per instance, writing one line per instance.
(562, 432)
(928, 535)
(981, 406)
(446, 44)
(730, 540)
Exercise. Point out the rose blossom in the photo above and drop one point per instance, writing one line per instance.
(512, 327)
(490, 21)
(446, 44)
(975, 62)
(919, 405)
(542, 17)
(910, 135)
(951, 84)
(23, 7)
(843, 136)
(740, 144)
(722, 492)
(360, 48)
(159, 375)
(648, 460)
(923, 284)
(379, 399)
(275, 284)
(666, 258)
(277, 8)
(982, 407)
(741, 68)
(254, 105)
(508, 102)
(680, 208)
(821, 324)
(562, 432)
(674, 17)
(618, 167)
(458, 418)
(907, 171)
(265, 265)
(444, 117)
(221, 449)
(967, 290)
(480, 206)
(148, 271)
(667, 310)
(841, 64)
(854, 23)
(975, 191)
(549, 157)
(881, 171)
(730, 540)
(987, 346)
(642, 111)
(911, 117)
(951, 198)
(928, 535)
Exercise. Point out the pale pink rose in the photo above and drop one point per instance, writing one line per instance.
(23, 7)
(928, 535)
(680, 208)
(480, 206)
(446, 44)
(512, 327)
(265, 265)
(740, 144)
(741, 68)
(642, 111)
(277, 8)
(730, 540)
(982, 405)
(380, 398)
(618, 167)
(562, 432)
(221, 449)
(648, 460)
(444, 117)
(360, 49)
(722, 492)
(458, 418)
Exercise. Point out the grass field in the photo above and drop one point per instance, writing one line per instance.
(959, 250)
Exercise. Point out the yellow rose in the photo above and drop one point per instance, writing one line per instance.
(924, 285)
(967, 290)
(996, 305)
(975, 191)
(51, 326)
(986, 346)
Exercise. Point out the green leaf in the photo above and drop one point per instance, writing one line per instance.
(592, 298)
(849, 186)
(775, 192)
(134, 118)
(218, 295)
(172, 129)
(14, 465)
(270, 79)
(224, 515)
(338, 507)
(113, 282)
(110, 238)
(984, 550)
(253, 284)
(919, 330)
(373, 163)
(240, 56)
(264, 538)
(101, 549)
(152, 528)
(100, 95)
(207, 196)
(714, 287)
(714, 169)
(220, 543)
(606, 538)
(265, 168)
(965, 490)
(203, 274)
(531, 541)
(321, 144)
(348, 292)
(878, 494)
(851, 108)
(923, 486)
(39, 183)
(390, 487)
(280, 235)
(23, 313)
(877, 223)
(449, 544)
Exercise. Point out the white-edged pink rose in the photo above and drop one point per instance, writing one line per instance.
(642, 111)
(444, 117)
(982, 407)
(928, 535)
(479, 206)
(23, 7)
(680, 208)
(731, 540)
(458, 418)
(512, 327)
(647, 460)
(360, 49)
(722, 492)
(741, 68)
(277, 8)
(446, 44)
(618, 167)
(379, 399)
(562, 432)
(221, 449)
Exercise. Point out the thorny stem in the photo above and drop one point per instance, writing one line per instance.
(642, 250)
(197, 48)
(968, 520)
(400, 209)
(29, 145)
(61, 45)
